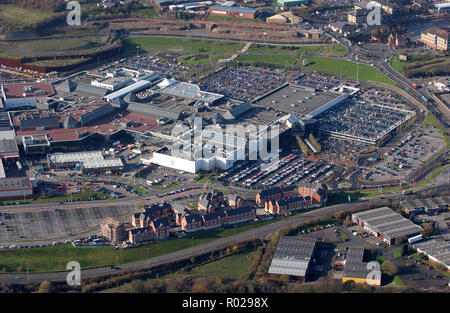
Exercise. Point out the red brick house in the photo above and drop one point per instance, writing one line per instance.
(214, 220)
(160, 228)
(240, 215)
(235, 200)
(142, 234)
(192, 222)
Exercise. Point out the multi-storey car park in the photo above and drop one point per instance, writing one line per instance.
(386, 224)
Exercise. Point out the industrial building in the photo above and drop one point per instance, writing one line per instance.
(284, 18)
(8, 149)
(358, 16)
(292, 3)
(385, 223)
(176, 88)
(112, 83)
(436, 251)
(357, 270)
(15, 187)
(435, 38)
(233, 11)
(22, 96)
(96, 114)
(86, 162)
(219, 151)
(425, 206)
(293, 257)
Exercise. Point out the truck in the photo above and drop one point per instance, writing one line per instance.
(415, 239)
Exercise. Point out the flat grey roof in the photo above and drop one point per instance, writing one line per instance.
(387, 222)
(8, 145)
(439, 250)
(7, 184)
(429, 203)
(284, 98)
(296, 248)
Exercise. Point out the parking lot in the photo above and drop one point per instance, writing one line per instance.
(44, 224)
(244, 84)
(408, 154)
(289, 169)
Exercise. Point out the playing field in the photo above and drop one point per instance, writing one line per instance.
(22, 16)
(347, 69)
(284, 49)
(182, 44)
(334, 50)
(285, 59)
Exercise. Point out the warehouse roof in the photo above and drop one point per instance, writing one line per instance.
(97, 113)
(233, 9)
(153, 110)
(292, 256)
(91, 90)
(7, 184)
(429, 203)
(8, 146)
(387, 222)
(439, 250)
(237, 110)
(48, 121)
(5, 123)
(190, 91)
(26, 90)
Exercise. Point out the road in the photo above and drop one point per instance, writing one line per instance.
(262, 232)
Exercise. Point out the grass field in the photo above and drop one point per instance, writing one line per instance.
(346, 69)
(235, 265)
(58, 45)
(436, 172)
(22, 16)
(147, 12)
(397, 281)
(334, 50)
(62, 62)
(284, 49)
(182, 44)
(284, 59)
(51, 259)
(419, 65)
(202, 58)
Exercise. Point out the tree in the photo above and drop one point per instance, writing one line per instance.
(428, 229)
(389, 268)
(46, 287)
(348, 220)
